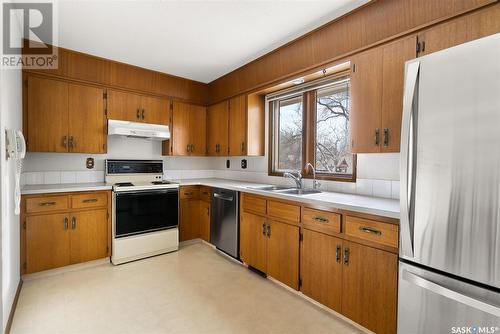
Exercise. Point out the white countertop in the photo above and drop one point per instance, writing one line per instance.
(365, 204)
(63, 187)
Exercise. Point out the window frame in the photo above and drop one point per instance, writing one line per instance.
(308, 133)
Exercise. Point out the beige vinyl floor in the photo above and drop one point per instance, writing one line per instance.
(194, 290)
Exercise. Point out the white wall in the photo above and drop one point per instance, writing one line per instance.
(11, 118)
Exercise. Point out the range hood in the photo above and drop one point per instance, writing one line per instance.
(138, 130)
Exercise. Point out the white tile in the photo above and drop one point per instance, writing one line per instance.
(22, 180)
(52, 177)
(84, 176)
(172, 174)
(382, 188)
(34, 177)
(380, 166)
(395, 189)
(68, 177)
(364, 187)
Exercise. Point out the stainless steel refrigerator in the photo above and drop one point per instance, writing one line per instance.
(449, 269)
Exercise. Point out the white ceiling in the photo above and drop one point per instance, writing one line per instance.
(199, 40)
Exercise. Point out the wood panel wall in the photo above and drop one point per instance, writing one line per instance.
(374, 23)
(87, 68)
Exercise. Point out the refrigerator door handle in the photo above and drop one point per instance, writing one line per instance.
(449, 293)
(406, 162)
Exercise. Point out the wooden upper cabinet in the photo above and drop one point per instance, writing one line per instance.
(217, 129)
(366, 101)
(46, 115)
(124, 106)
(154, 110)
(87, 119)
(237, 125)
(321, 268)
(188, 129)
(369, 287)
(64, 117)
(393, 66)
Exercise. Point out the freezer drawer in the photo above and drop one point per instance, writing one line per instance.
(432, 303)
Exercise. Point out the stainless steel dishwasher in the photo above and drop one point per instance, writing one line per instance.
(225, 222)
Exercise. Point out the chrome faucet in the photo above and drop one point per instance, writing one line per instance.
(297, 178)
(316, 183)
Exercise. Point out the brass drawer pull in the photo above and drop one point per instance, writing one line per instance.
(188, 193)
(321, 219)
(47, 203)
(90, 200)
(370, 230)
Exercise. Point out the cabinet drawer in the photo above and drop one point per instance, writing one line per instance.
(284, 211)
(89, 200)
(190, 192)
(46, 203)
(205, 193)
(371, 230)
(323, 219)
(253, 204)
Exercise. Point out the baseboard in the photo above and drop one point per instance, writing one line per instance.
(66, 269)
(14, 306)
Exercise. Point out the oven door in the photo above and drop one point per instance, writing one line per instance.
(145, 211)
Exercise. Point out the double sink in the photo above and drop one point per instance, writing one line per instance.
(286, 190)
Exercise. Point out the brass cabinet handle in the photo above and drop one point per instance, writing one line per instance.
(216, 148)
(377, 137)
(138, 115)
(370, 230)
(73, 223)
(242, 147)
(187, 147)
(386, 137)
(346, 256)
(321, 219)
(192, 148)
(208, 211)
(264, 229)
(65, 141)
(188, 193)
(142, 114)
(47, 203)
(65, 223)
(269, 231)
(337, 253)
(71, 142)
(90, 200)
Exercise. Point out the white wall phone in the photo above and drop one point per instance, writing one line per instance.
(16, 149)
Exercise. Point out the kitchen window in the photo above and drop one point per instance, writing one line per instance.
(311, 124)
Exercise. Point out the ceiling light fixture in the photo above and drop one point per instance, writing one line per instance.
(297, 81)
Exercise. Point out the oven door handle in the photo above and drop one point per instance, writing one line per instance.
(146, 192)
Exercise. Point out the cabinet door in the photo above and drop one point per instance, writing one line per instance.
(238, 125)
(47, 242)
(89, 235)
(189, 222)
(217, 127)
(394, 57)
(253, 241)
(154, 110)
(180, 128)
(124, 106)
(443, 36)
(321, 268)
(198, 130)
(369, 287)
(47, 115)
(204, 216)
(366, 102)
(87, 121)
(283, 253)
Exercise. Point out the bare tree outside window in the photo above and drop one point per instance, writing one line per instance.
(290, 134)
(332, 130)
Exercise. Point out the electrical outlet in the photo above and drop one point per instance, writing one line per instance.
(244, 163)
(228, 163)
(90, 163)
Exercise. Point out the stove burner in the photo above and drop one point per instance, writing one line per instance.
(124, 184)
(161, 182)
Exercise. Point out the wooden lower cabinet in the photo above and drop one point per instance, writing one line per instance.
(321, 268)
(204, 216)
(369, 287)
(47, 242)
(253, 240)
(64, 234)
(189, 222)
(283, 253)
(88, 235)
